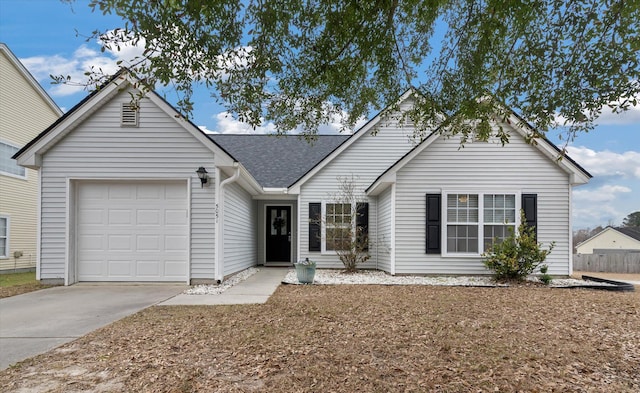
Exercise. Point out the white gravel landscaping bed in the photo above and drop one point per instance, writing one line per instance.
(334, 276)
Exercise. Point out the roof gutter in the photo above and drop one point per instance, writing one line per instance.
(219, 251)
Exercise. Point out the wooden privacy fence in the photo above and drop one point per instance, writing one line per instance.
(610, 263)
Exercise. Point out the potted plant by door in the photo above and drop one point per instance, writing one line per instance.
(305, 270)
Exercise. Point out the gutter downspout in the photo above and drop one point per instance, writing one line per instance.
(219, 251)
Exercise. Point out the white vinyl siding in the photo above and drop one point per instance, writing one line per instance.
(384, 244)
(99, 148)
(365, 159)
(478, 167)
(240, 222)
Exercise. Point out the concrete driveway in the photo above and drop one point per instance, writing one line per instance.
(36, 322)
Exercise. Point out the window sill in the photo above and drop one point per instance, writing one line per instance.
(460, 255)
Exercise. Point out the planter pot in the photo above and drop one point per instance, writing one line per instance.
(305, 273)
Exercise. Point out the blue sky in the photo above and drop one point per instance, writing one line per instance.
(42, 34)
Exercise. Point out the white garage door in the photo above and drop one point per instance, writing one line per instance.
(132, 231)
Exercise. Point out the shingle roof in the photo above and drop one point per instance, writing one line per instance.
(633, 232)
(277, 161)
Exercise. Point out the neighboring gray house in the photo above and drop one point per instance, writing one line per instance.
(121, 200)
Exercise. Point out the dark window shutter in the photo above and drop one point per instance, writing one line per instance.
(315, 211)
(433, 243)
(362, 224)
(530, 208)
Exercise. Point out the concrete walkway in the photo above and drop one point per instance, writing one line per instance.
(254, 290)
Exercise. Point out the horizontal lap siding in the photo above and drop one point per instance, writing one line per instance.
(367, 158)
(485, 167)
(100, 148)
(240, 221)
(24, 113)
(383, 243)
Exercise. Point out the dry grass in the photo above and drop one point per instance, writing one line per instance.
(18, 283)
(360, 338)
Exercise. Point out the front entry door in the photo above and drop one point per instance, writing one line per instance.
(278, 234)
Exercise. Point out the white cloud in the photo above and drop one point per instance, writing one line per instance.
(227, 124)
(80, 61)
(206, 130)
(606, 193)
(599, 206)
(607, 163)
(630, 116)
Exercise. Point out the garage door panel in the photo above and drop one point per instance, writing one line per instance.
(175, 243)
(92, 268)
(120, 216)
(91, 216)
(148, 192)
(120, 243)
(91, 242)
(120, 191)
(132, 232)
(176, 217)
(175, 193)
(148, 243)
(174, 268)
(148, 268)
(120, 268)
(148, 217)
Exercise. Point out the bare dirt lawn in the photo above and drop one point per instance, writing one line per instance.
(359, 338)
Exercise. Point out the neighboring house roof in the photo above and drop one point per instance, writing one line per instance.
(27, 75)
(277, 161)
(633, 232)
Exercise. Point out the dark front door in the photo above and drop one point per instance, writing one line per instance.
(278, 233)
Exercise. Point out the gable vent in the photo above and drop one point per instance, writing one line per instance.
(129, 115)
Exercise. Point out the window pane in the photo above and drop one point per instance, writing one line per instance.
(499, 208)
(462, 208)
(496, 233)
(7, 164)
(462, 238)
(510, 201)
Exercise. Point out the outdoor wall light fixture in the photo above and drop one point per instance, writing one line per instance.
(202, 174)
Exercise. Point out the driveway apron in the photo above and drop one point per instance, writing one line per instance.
(36, 322)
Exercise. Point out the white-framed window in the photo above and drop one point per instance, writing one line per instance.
(9, 166)
(473, 221)
(338, 226)
(343, 223)
(4, 236)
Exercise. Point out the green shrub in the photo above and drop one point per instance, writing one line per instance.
(518, 255)
(544, 277)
